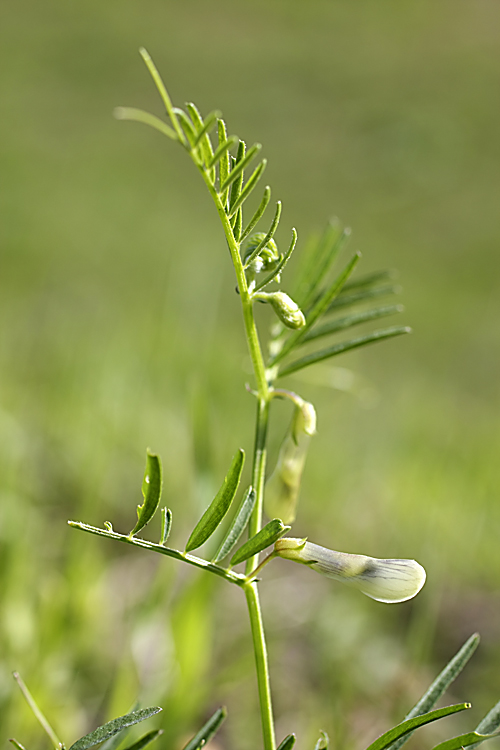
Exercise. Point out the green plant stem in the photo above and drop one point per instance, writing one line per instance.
(58, 745)
(261, 662)
(259, 464)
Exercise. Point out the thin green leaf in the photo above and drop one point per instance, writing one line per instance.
(287, 743)
(268, 236)
(138, 115)
(187, 126)
(410, 725)
(318, 309)
(163, 93)
(113, 727)
(344, 346)
(264, 538)
(240, 166)
(340, 324)
(202, 139)
(225, 158)
(491, 721)
(116, 740)
(145, 740)
(441, 685)
(349, 300)
(207, 731)
(257, 215)
(17, 744)
(221, 150)
(236, 223)
(166, 525)
(238, 526)
(37, 711)
(279, 268)
(151, 490)
(330, 248)
(323, 742)
(219, 505)
(369, 279)
(237, 183)
(249, 186)
(465, 740)
(208, 124)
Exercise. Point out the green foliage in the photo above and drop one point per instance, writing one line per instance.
(287, 743)
(151, 490)
(219, 506)
(408, 726)
(207, 731)
(264, 538)
(114, 727)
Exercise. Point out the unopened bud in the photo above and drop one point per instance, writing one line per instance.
(283, 487)
(285, 308)
(388, 581)
(268, 257)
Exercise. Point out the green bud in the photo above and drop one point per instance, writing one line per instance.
(283, 487)
(267, 259)
(388, 581)
(285, 308)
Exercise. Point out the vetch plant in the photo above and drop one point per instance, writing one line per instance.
(325, 302)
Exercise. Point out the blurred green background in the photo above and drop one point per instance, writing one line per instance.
(120, 329)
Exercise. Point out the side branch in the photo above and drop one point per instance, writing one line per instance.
(198, 562)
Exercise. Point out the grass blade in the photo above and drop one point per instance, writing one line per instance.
(16, 744)
(340, 324)
(139, 115)
(465, 740)
(240, 166)
(441, 685)
(264, 538)
(207, 731)
(344, 346)
(219, 505)
(387, 739)
(145, 740)
(37, 712)
(238, 526)
(257, 215)
(163, 93)
(151, 490)
(273, 275)
(489, 724)
(166, 525)
(113, 727)
(268, 236)
(249, 186)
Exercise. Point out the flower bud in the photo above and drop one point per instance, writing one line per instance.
(283, 487)
(267, 259)
(388, 581)
(285, 308)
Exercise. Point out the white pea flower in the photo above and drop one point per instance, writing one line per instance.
(388, 581)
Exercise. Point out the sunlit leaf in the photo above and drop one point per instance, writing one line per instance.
(113, 727)
(441, 684)
(145, 740)
(151, 490)
(264, 538)
(207, 731)
(138, 115)
(267, 237)
(259, 212)
(166, 524)
(240, 166)
(348, 321)
(238, 526)
(287, 743)
(163, 93)
(410, 725)
(323, 742)
(279, 268)
(344, 346)
(219, 505)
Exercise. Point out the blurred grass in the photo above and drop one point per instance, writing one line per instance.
(120, 329)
